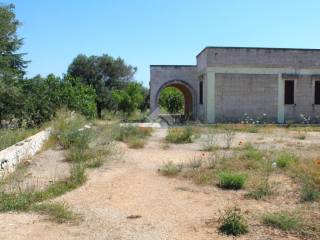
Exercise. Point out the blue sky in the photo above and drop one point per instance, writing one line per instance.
(145, 32)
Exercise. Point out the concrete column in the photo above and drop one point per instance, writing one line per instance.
(280, 99)
(211, 90)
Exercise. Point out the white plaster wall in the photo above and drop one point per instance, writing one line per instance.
(13, 155)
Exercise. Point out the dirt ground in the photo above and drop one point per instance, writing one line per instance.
(162, 207)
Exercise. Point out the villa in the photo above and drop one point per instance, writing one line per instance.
(235, 84)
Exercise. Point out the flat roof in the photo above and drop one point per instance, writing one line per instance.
(173, 65)
(261, 48)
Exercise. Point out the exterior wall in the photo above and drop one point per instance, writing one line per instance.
(201, 108)
(162, 76)
(259, 57)
(252, 94)
(239, 81)
(304, 108)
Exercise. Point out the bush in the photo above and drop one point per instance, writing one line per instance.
(284, 159)
(179, 135)
(171, 169)
(233, 223)
(42, 97)
(228, 180)
(282, 220)
(66, 129)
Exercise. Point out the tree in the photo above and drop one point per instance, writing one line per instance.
(79, 97)
(104, 74)
(11, 62)
(172, 100)
(129, 99)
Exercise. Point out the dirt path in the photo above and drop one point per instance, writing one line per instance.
(169, 208)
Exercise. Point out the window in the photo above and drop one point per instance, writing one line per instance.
(201, 92)
(317, 92)
(289, 92)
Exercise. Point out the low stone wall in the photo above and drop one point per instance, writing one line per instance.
(13, 155)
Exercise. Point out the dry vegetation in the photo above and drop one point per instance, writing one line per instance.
(252, 164)
(270, 174)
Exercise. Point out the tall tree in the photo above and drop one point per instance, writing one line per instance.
(104, 74)
(12, 64)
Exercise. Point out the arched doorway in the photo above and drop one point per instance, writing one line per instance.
(188, 94)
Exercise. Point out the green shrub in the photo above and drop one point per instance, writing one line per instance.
(229, 180)
(309, 193)
(179, 135)
(282, 220)
(171, 169)
(233, 223)
(285, 159)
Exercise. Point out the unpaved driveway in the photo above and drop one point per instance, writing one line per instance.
(169, 208)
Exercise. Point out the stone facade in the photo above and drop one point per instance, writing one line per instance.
(245, 84)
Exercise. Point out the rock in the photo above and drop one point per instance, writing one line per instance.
(133, 216)
(27, 163)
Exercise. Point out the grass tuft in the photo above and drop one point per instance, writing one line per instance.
(285, 159)
(282, 220)
(171, 169)
(260, 191)
(57, 212)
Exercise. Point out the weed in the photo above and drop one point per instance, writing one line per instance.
(228, 136)
(282, 220)
(309, 193)
(171, 169)
(229, 180)
(135, 142)
(194, 163)
(232, 222)
(261, 190)
(130, 131)
(9, 137)
(57, 212)
(252, 153)
(284, 159)
(179, 135)
(210, 142)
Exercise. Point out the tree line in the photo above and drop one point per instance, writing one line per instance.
(91, 84)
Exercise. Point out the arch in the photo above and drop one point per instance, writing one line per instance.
(187, 91)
